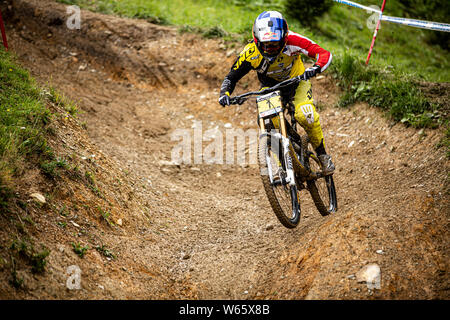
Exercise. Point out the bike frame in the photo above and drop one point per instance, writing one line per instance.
(292, 164)
(286, 145)
(292, 157)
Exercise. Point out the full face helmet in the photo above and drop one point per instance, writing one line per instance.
(269, 33)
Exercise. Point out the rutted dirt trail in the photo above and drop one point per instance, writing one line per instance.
(207, 231)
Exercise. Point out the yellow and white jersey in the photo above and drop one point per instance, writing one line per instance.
(288, 63)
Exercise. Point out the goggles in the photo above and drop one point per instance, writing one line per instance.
(271, 47)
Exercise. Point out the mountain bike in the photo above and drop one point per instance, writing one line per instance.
(286, 159)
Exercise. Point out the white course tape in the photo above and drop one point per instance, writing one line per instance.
(438, 26)
(419, 23)
(357, 5)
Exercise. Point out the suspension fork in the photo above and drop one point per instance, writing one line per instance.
(291, 162)
(297, 164)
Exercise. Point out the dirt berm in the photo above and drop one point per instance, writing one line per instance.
(206, 231)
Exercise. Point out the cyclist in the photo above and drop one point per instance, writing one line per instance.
(275, 54)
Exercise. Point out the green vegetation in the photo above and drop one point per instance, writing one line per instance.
(63, 211)
(24, 120)
(394, 92)
(307, 12)
(342, 29)
(37, 259)
(79, 249)
(91, 183)
(50, 168)
(61, 101)
(106, 216)
(105, 251)
(25, 124)
(436, 10)
(402, 56)
(16, 281)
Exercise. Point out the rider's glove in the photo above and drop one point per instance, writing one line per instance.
(310, 72)
(224, 100)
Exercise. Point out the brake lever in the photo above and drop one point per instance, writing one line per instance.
(237, 100)
(241, 100)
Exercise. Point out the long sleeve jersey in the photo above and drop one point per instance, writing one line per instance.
(287, 65)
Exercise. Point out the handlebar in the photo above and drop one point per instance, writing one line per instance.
(243, 97)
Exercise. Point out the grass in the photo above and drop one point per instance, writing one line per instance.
(24, 122)
(387, 89)
(342, 29)
(105, 251)
(36, 259)
(61, 100)
(79, 249)
(24, 125)
(51, 168)
(91, 183)
(23, 119)
(16, 281)
(106, 216)
(204, 14)
(445, 142)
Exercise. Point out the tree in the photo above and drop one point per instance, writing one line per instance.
(437, 10)
(307, 11)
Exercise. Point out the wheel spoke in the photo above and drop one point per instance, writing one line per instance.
(322, 190)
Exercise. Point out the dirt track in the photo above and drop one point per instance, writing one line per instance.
(208, 231)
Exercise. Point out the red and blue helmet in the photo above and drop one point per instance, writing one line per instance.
(270, 30)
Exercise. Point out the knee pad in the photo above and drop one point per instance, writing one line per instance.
(306, 115)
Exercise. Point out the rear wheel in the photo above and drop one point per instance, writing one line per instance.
(322, 190)
(282, 197)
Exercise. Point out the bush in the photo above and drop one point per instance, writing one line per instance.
(437, 10)
(306, 11)
(391, 91)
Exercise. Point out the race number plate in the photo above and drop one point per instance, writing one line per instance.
(269, 104)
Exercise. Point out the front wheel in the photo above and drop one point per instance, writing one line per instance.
(282, 197)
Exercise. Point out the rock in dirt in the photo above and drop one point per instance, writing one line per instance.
(230, 53)
(166, 163)
(75, 224)
(38, 197)
(186, 256)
